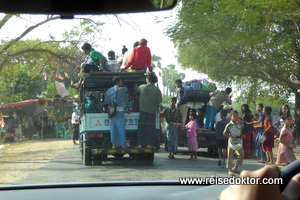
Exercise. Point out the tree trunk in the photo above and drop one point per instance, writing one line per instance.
(297, 116)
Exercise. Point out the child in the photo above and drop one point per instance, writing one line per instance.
(222, 141)
(200, 118)
(192, 136)
(285, 153)
(268, 144)
(233, 131)
(260, 129)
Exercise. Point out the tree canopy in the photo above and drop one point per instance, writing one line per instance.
(22, 61)
(246, 42)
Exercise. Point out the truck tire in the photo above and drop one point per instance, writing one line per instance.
(145, 158)
(87, 156)
(149, 158)
(97, 159)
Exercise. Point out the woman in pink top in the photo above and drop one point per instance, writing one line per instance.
(192, 136)
(286, 142)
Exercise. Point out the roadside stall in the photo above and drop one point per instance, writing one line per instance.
(30, 118)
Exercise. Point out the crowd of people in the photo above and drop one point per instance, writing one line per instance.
(246, 134)
(253, 135)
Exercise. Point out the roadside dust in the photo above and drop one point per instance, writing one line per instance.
(19, 159)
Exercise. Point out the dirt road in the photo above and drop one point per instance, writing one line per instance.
(19, 159)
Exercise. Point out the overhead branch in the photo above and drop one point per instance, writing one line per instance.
(28, 30)
(5, 19)
(58, 56)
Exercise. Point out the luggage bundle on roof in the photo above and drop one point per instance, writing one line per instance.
(201, 84)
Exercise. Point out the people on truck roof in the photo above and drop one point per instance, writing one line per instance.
(120, 59)
(99, 62)
(140, 58)
(112, 62)
(127, 55)
(118, 94)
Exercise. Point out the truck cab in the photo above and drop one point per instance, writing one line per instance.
(206, 138)
(95, 144)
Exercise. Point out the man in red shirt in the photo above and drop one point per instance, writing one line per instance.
(140, 58)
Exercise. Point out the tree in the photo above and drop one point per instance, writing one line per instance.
(169, 74)
(17, 84)
(156, 59)
(22, 61)
(57, 51)
(249, 43)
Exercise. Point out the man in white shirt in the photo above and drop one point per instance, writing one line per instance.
(75, 124)
(228, 109)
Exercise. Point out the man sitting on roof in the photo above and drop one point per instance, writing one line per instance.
(96, 60)
(113, 64)
(140, 58)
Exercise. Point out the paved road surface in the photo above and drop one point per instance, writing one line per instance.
(68, 168)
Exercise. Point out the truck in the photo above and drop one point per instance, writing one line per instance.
(206, 138)
(94, 141)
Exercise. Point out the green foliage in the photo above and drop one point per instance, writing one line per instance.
(22, 61)
(165, 98)
(253, 44)
(169, 74)
(18, 84)
(157, 60)
(163, 3)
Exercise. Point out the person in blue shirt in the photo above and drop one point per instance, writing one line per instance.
(119, 94)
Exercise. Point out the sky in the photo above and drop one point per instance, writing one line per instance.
(117, 32)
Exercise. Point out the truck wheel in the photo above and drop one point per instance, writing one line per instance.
(87, 156)
(97, 159)
(212, 151)
(145, 158)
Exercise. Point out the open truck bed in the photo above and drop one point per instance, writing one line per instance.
(95, 145)
(206, 138)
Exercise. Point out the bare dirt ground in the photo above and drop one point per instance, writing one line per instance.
(19, 159)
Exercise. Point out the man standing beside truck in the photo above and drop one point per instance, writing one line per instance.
(118, 94)
(173, 118)
(150, 98)
(214, 104)
(182, 100)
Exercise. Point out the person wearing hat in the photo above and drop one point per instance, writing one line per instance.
(233, 131)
